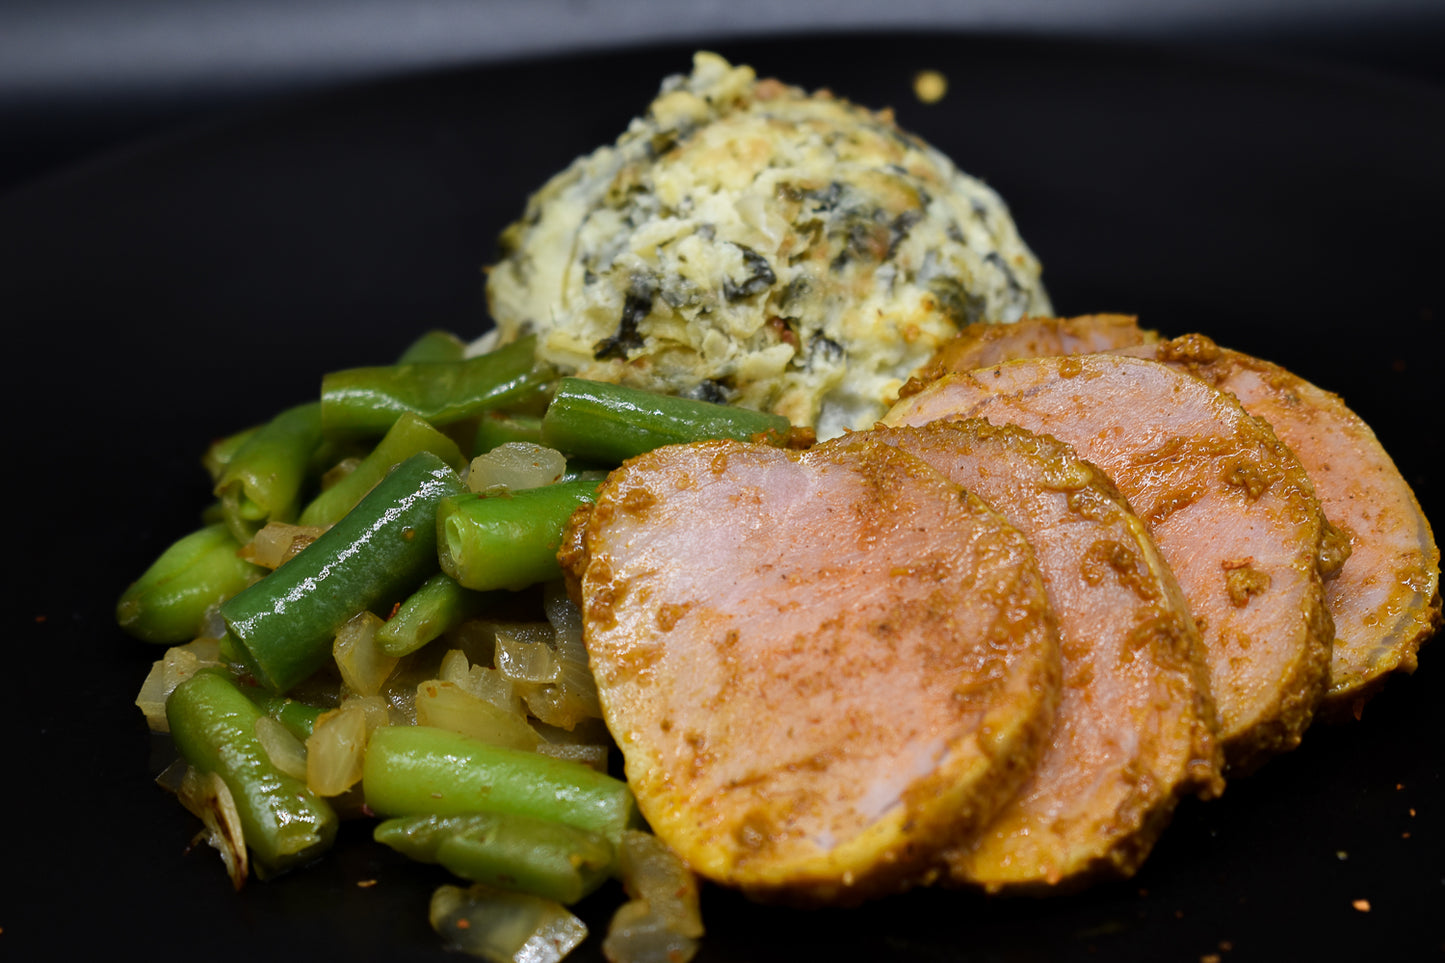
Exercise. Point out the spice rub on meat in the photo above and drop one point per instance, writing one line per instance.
(1228, 504)
(1136, 725)
(821, 668)
(1385, 598)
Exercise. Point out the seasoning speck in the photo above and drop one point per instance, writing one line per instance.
(1341, 855)
(1210, 958)
(1363, 905)
(365, 883)
(929, 86)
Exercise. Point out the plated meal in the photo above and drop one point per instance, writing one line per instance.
(779, 537)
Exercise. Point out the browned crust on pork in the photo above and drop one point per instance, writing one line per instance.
(1136, 727)
(776, 663)
(1196, 468)
(1384, 596)
(985, 343)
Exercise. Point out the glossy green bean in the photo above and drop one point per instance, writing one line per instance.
(265, 477)
(213, 726)
(500, 427)
(417, 770)
(438, 605)
(443, 392)
(611, 423)
(507, 540)
(376, 554)
(434, 346)
(537, 856)
(168, 603)
(410, 435)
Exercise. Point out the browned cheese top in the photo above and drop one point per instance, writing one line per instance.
(1136, 725)
(1385, 600)
(1229, 506)
(820, 667)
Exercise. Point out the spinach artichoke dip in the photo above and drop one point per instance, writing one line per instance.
(747, 242)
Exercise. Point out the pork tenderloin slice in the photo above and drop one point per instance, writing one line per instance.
(982, 344)
(1136, 725)
(1385, 599)
(1228, 504)
(820, 667)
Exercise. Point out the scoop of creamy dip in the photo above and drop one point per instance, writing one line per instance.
(744, 241)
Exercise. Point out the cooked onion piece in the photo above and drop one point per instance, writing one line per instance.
(504, 927)
(208, 798)
(364, 667)
(179, 664)
(514, 466)
(285, 751)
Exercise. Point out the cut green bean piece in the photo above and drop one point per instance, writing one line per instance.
(500, 427)
(376, 554)
(507, 540)
(298, 718)
(611, 423)
(438, 606)
(213, 725)
(168, 603)
(442, 392)
(417, 770)
(512, 852)
(409, 436)
(222, 450)
(264, 479)
(434, 346)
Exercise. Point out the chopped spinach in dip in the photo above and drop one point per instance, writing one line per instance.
(744, 241)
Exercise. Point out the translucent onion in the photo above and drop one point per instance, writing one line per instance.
(208, 797)
(514, 466)
(652, 872)
(277, 543)
(446, 705)
(336, 749)
(481, 681)
(364, 667)
(662, 923)
(526, 661)
(286, 752)
(176, 666)
(504, 927)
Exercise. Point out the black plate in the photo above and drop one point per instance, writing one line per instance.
(187, 289)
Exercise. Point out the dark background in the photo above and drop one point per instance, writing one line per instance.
(78, 77)
(207, 204)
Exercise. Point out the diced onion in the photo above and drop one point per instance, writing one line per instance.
(179, 664)
(526, 661)
(277, 543)
(652, 872)
(286, 752)
(208, 797)
(335, 750)
(446, 705)
(505, 927)
(364, 667)
(514, 466)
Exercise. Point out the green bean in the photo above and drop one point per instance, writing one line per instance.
(213, 725)
(434, 346)
(376, 554)
(263, 480)
(507, 540)
(612, 423)
(298, 718)
(168, 603)
(439, 605)
(442, 392)
(418, 770)
(222, 450)
(499, 427)
(407, 437)
(512, 852)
